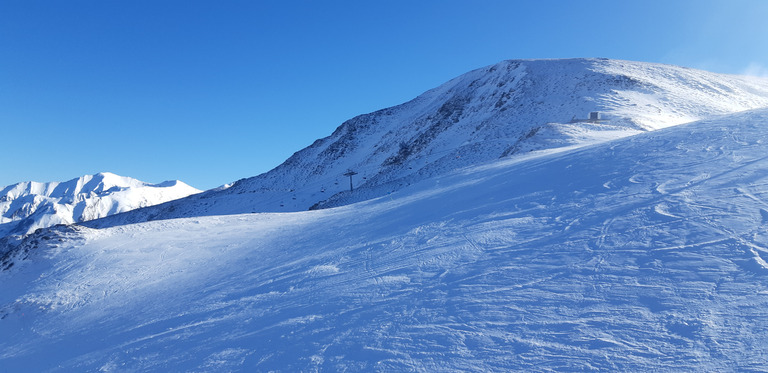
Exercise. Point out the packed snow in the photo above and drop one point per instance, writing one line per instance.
(646, 253)
(27, 206)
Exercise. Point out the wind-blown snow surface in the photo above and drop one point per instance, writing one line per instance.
(642, 254)
(503, 110)
(27, 206)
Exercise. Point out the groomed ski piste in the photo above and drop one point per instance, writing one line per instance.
(646, 253)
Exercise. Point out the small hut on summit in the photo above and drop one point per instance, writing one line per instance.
(594, 117)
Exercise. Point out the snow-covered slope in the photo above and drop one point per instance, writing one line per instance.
(642, 254)
(25, 207)
(502, 110)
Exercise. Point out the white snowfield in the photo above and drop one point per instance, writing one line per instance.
(503, 110)
(27, 206)
(641, 254)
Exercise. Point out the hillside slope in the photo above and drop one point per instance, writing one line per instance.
(642, 254)
(27, 206)
(503, 110)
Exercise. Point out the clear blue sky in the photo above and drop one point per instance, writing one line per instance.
(209, 92)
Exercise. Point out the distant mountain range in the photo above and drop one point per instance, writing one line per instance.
(27, 206)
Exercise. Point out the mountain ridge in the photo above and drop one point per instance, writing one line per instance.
(506, 109)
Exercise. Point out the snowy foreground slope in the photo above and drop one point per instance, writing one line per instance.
(647, 253)
(503, 110)
(27, 206)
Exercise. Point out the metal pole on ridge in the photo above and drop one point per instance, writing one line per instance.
(350, 173)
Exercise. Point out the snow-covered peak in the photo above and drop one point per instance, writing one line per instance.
(504, 110)
(27, 206)
(647, 95)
